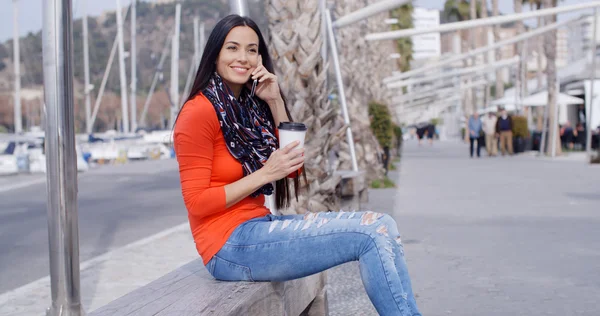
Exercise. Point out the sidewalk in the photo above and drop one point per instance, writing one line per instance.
(111, 275)
(491, 236)
(345, 292)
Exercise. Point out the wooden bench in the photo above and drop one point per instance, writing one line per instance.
(191, 290)
(352, 189)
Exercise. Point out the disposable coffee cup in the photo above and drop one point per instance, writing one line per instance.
(290, 132)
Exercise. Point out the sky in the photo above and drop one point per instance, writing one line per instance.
(30, 11)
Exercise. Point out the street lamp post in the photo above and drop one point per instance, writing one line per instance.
(61, 162)
(239, 7)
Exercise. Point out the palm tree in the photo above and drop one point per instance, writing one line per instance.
(518, 8)
(550, 50)
(295, 39)
(404, 45)
(460, 10)
(539, 42)
(485, 34)
(499, 93)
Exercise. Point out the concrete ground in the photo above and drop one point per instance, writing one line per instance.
(491, 236)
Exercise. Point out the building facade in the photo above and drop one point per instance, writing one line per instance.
(580, 38)
(426, 46)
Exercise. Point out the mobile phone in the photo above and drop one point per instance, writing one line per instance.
(253, 90)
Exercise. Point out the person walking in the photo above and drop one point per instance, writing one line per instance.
(489, 129)
(504, 131)
(475, 129)
(226, 143)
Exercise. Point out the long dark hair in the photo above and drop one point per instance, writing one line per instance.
(208, 67)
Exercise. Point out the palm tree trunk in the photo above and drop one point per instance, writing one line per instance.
(540, 71)
(295, 41)
(472, 45)
(550, 50)
(499, 80)
(518, 8)
(485, 34)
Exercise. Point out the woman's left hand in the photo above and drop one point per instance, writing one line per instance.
(267, 88)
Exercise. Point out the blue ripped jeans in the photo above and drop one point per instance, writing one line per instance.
(281, 248)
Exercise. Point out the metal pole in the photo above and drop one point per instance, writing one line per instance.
(202, 42)
(113, 52)
(133, 67)
(86, 72)
(555, 125)
(368, 11)
(517, 77)
(524, 59)
(157, 74)
(17, 65)
(122, 77)
(543, 146)
(340, 86)
(495, 20)
(239, 7)
(61, 161)
(194, 67)
(111, 57)
(174, 90)
(196, 42)
(523, 80)
(469, 54)
(458, 72)
(588, 115)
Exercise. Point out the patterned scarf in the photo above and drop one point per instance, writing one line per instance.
(246, 126)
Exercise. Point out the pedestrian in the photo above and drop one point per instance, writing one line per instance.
(421, 130)
(226, 146)
(475, 130)
(504, 127)
(430, 133)
(489, 129)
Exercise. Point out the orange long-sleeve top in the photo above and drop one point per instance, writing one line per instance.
(205, 167)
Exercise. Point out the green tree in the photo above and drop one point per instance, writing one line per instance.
(404, 45)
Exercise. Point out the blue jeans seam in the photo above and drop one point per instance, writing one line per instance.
(238, 265)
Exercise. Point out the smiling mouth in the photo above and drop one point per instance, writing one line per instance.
(240, 70)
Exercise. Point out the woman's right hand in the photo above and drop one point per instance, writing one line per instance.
(282, 162)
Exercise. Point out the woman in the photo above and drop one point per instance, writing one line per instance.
(226, 146)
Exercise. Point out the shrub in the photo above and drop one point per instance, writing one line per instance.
(381, 123)
(397, 132)
(384, 183)
(520, 128)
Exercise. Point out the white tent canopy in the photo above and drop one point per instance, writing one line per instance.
(507, 99)
(541, 99)
(538, 99)
(494, 108)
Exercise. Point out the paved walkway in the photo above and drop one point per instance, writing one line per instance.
(491, 236)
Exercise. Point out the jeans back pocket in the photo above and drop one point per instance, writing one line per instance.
(224, 270)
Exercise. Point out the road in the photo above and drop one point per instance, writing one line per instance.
(117, 205)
